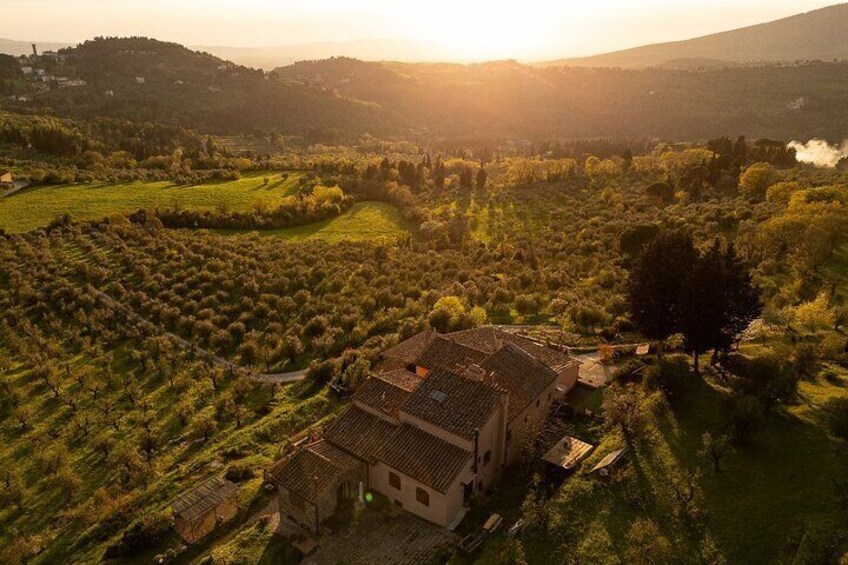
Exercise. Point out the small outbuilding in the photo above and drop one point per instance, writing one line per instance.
(199, 511)
(568, 453)
(6, 180)
(607, 466)
(314, 480)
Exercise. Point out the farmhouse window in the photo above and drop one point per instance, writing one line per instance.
(394, 481)
(422, 496)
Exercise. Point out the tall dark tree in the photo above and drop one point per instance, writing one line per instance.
(627, 159)
(703, 304)
(439, 174)
(656, 281)
(481, 178)
(466, 177)
(743, 299)
(717, 302)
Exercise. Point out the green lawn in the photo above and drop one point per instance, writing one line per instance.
(36, 207)
(366, 220)
(775, 500)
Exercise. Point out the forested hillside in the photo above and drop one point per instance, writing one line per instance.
(334, 99)
(147, 80)
(507, 99)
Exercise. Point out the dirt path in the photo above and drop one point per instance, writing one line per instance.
(266, 378)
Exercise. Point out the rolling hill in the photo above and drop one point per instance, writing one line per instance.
(146, 80)
(506, 99)
(332, 100)
(816, 35)
(366, 49)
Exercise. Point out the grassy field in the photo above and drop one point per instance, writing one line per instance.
(366, 220)
(36, 207)
(774, 501)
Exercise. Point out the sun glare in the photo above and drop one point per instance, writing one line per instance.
(481, 30)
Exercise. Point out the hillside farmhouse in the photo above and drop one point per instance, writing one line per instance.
(441, 421)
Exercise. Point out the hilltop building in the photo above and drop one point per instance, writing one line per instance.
(439, 424)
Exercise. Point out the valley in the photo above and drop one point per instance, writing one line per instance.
(347, 311)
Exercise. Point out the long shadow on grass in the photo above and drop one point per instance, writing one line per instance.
(770, 490)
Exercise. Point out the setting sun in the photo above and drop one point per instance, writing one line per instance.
(474, 31)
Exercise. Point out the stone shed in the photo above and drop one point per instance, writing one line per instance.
(198, 511)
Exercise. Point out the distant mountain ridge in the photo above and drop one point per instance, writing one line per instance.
(818, 35)
(366, 49)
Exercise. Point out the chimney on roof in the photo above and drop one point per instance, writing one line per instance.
(475, 372)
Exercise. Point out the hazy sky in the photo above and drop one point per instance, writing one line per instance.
(478, 29)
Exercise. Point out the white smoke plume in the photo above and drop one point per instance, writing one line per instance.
(819, 152)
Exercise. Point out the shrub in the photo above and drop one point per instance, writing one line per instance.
(321, 372)
(440, 320)
(142, 535)
(838, 415)
(769, 377)
(239, 472)
(629, 371)
(662, 191)
(782, 191)
(671, 376)
(756, 180)
(806, 360)
(646, 544)
(328, 194)
(745, 416)
(834, 347)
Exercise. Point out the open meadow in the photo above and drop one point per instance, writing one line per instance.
(37, 206)
(365, 220)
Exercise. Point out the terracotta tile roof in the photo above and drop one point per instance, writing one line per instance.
(200, 500)
(489, 339)
(311, 469)
(486, 338)
(554, 359)
(424, 457)
(409, 350)
(444, 353)
(521, 375)
(337, 457)
(386, 392)
(359, 432)
(454, 403)
(401, 378)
